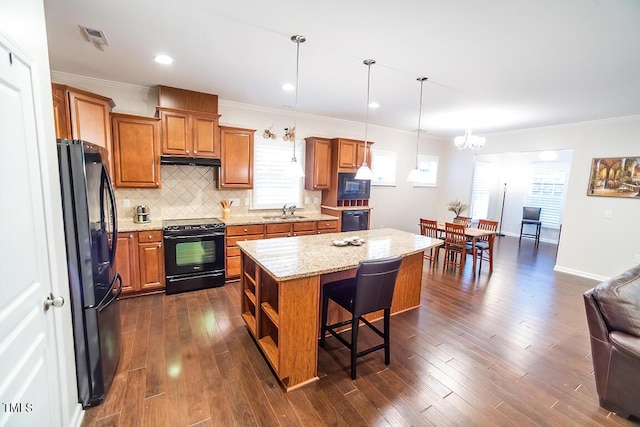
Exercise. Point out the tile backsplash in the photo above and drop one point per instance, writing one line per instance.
(190, 192)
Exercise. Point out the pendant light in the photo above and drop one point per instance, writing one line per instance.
(294, 168)
(416, 175)
(364, 172)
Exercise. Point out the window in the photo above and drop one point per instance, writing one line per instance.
(428, 165)
(481, 190)
(546, 189)
(271, 189)
(383, 166)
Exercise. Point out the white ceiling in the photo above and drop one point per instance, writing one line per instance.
(493, 65)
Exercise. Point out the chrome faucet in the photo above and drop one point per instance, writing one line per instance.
(291, 209)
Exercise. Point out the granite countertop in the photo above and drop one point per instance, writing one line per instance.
(260, 219)
(305, 256)
(127, 225)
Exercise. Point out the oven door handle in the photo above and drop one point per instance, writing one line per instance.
(193, 236)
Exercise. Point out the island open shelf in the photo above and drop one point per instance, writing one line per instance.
(282, 282)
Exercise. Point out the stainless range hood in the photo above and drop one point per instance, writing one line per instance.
(201, 161)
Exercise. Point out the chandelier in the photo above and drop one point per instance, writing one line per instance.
(470, 141)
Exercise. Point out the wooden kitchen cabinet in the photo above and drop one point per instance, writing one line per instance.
(126, 261)
(233, 234)
(140, 262)
(82, 115)
(189, 133)
(136, 151)
(236, 156)
(151, 260)
(317, 164)
(350, 154)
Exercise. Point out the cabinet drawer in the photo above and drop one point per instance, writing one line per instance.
(241, 230)
(231, 241)
(304, 226)
(330, 224)
(233, 251)
(282, 227)
(328, 230)
(150, 236)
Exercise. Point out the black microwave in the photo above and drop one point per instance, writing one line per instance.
(350, 188)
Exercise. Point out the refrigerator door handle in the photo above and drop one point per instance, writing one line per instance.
(103, 302)
(113, 214)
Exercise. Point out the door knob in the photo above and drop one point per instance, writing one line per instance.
(53, 301)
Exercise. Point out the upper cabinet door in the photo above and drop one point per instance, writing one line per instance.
(318, 164)
(360, 154)
(236, 156)
(176, 133)
(60, 117)
(136, 151)
(206, 135)
(89, 117)
(347, 154)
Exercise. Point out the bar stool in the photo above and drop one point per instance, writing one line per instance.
(371, 290)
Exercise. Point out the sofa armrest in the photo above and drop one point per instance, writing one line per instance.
(597, 328)
(626, 343)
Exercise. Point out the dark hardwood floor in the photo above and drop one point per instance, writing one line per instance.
(511, 348)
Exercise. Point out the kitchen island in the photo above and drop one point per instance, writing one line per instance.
(282, 282)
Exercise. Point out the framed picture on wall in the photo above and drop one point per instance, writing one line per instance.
(615, 177)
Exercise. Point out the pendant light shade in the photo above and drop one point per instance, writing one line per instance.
(364, 172)
(294, 168)
(416, 175)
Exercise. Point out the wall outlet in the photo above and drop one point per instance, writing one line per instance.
(637, 258)
(307, 200)
(126, 203)
(316, 201)
(608, 213)
(246, 201)
(235, 202)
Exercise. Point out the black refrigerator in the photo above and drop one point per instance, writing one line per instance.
(90, 225)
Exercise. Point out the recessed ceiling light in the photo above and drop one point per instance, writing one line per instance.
(374, 105)
(288, 87)
(163, 59)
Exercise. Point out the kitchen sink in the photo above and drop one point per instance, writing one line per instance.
(283, 217)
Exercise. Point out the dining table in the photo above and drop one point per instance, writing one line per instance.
(473, 234)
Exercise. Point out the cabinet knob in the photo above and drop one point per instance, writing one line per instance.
(131, 236)
(195, 151)
(187, 151)
(149, 237)
(159, 245)
(157, 184)
(245, 230)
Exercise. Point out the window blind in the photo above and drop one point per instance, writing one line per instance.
(546, 189)
(481, 190)
(271, 189)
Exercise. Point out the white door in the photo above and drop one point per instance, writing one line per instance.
(28, 373)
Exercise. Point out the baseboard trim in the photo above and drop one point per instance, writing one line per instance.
(580, 273)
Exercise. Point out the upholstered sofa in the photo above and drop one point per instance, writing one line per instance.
(613, 315)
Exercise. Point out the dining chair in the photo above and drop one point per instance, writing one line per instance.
(371, 290)
(531, 216)
(465, 220)
(429, 228)
(484, 244)
(455, 244)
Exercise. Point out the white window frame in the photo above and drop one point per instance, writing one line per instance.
(384, 167)
(481, 189)
(428, 165)
(268, 176)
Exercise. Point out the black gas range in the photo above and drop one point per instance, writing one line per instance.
(194, 254)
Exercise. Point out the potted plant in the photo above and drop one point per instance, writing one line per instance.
(457, 207)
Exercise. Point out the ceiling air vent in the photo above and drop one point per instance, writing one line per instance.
(95, 36)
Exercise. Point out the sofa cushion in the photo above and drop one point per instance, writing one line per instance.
(619, 301)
